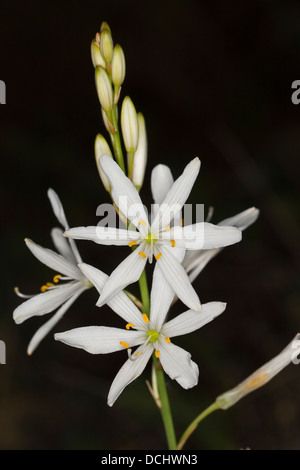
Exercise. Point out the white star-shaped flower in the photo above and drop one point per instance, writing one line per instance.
(150, 335)
(54, 294)
(157, 239)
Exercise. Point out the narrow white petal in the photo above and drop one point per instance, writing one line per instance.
(130, 371)
(62, 245)
(204, 235)
(161, 182)
(57, 208)
(46, 327)
(177, 195)
(162, 295)
(119, 303)
(53, 260)
(124, 193)
(103, 235)
(242, 220)
(190, 321)
(100, 339)
(178, 278)
(177, 363)
(197, 261)
(45, 302)
(126, 273)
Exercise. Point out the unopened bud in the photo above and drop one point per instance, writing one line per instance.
(118, 66)
(104, 89)
(104, 26)
(129, 125)
(102, 148)
(106, 45)
(140, 156)
(97, 58)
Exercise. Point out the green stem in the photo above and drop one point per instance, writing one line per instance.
(144, 292)
(116, 138)
(165, 405)
(191, 428)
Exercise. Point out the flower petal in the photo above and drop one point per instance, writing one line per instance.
(177, 278)
(195, 263)
(126, 273)
(53, 260)
(46, 327)
(190, 320)
(100, 339)
(62, 245)
(176, 196)
(177, 363)
(119, 303)
(242, 220)
(124, 193)
(103, 235)
(161, 182)
(46, 302)
(128, 373)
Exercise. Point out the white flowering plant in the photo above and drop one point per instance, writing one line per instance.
(178, 248)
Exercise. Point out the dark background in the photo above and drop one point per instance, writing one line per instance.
(214, 81)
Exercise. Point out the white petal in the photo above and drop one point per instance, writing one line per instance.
(46, 327)
(128, 373)
(45, 302)
(57, 208)
(103, 235)
(161, 182)
(62, 245)
(195, 263)
(100, 339)
(191, 321)
(176, 196)
(162, 295)
(177, 363)
(203, 235)
(178, 278)
(119, 303)
(126, 273)
(124, 193)
(53, 260)
(242, 220)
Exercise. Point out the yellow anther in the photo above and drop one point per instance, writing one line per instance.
(132, 243)
(49, 284)
(137, 353)
(168, 339)
(145, 317)
(172, 243)
(142, 254)
(157, 354)
(257, 381)
(158, 256)
(167, 227)
(142, 222)
(129, 325)
(56, 278)
(125, 345)
(44, 288)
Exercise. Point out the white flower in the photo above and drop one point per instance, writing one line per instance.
(53, 294)
(157, 239)
(151, 334)
(195, 260)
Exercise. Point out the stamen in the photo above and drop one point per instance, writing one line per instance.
(49, 284)
(145, 318)
(129, 325)
(23, 296)
(167, 227)
(142, 222)
(158, 256)
(125, 345)
(44, 288)
(172, 243)
(157, 354)
(142, 254)
(57, 278)
(168, 339)
(132, 243)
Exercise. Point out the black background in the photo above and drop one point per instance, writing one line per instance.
(213, 80)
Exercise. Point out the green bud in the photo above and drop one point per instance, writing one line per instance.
(104, 26)
(104, 89)
(140, 156)
(118, 66)
(106, 46)
(102, 148)
(97, 58)
(129, 125)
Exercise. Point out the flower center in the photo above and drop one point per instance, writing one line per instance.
(150, 238)
(152, 335)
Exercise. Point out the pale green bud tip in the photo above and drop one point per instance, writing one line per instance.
(97, 58)
(106, 45)
(104, 89)
(140, 156)
(118, 66)
(262, 375)
(104, 26)
(129, 125)
(102, 148)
